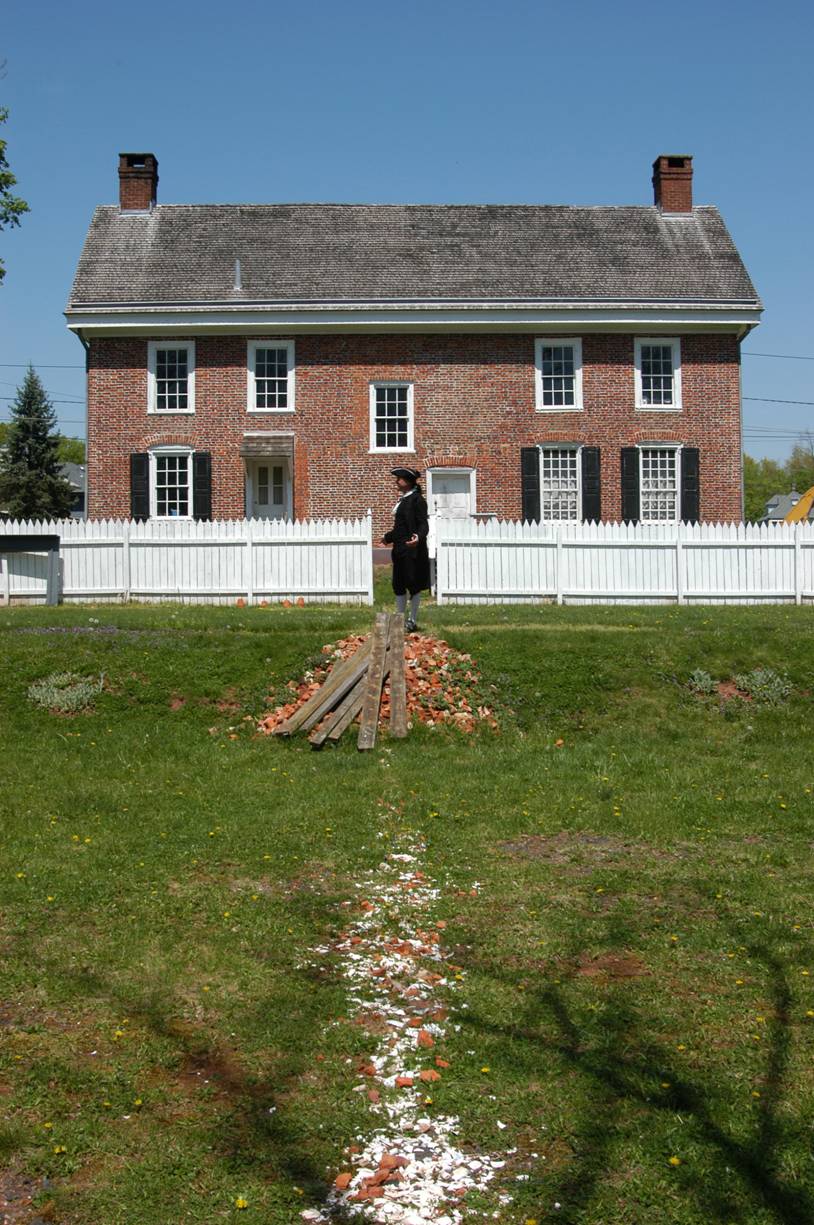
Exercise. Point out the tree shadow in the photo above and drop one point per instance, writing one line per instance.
(259, 1126)
(619, 1063)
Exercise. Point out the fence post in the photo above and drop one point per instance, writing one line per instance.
(126, 586)
(249, 576)
(798, 565)
(440, 561)
(680, 583)
(369, 555)
(558, 574)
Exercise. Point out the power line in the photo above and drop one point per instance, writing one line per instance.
(786, 357)
(36, 365)
(768, 400)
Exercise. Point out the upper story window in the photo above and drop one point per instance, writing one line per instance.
(658, 373)
(558, 363)
(559, 484)
(659, 484)
(271, 376)
(171, 377)
(391, 417)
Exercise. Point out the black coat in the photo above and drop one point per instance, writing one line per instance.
(411, 566)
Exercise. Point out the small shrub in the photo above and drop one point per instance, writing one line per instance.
(65, 693)
(701, 682)
(764, 685)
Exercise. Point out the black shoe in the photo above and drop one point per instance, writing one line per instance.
(410, 626)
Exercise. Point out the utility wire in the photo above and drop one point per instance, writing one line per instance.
(768, 400)
(786, 357)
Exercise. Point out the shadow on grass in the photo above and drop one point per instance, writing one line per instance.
(259, 1123)
(619, 1064)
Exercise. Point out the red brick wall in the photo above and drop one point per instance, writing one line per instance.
(474, 405)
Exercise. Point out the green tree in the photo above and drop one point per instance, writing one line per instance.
(11, 206)
(71, 450)
(31, 486)
(761, 479)
(800, 467)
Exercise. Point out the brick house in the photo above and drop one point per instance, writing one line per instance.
(549, 362)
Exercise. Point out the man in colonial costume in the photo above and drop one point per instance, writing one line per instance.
(408, 536)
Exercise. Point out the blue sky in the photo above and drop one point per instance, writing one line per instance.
(444, 101)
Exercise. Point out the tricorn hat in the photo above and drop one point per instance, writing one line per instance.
(408, 474)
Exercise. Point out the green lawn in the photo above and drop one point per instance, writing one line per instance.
(637, 963)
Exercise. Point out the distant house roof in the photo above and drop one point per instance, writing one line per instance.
(175, 255)
(74, 474)
(779, 505)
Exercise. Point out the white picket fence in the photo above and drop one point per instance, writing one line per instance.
(499, 562)
(196, 562)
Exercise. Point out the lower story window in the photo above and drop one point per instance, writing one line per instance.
(659, 484)
(172, 486)
(559, 483)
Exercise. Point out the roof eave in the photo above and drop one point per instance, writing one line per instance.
(414, 315)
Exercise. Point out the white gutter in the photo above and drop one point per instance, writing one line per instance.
(256, 318)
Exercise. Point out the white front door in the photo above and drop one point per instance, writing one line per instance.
(451, 492)
(268, 489)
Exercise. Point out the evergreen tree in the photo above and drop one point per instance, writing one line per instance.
(31, 486)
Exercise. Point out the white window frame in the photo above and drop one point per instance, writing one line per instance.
(410, 448)
(269, 342)
(455, 470)
(155, 453)
(562, 446)
(152, 351)
(675, 344)
(661, 446)
(542, 342)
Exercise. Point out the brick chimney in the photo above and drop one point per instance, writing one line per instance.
(672, 182)
(138, 182)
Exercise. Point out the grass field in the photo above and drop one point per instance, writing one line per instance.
(636, 1001)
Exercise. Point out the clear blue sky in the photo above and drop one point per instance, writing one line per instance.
(452, 100)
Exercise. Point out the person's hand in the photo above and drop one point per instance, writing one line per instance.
(412, 542)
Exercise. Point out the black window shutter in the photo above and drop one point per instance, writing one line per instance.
(530, 483)
(591, 485)
(690, 485)
(139, 486)
(630, 484)
(202, 485)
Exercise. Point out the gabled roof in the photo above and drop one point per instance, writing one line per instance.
(185, 254)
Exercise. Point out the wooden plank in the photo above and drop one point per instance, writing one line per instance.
(337, 676)
(375, 679)
(334, 724)
(398, 691)
(361, 663)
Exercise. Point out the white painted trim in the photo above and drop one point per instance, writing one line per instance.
(547, 318)
(410, 448)
(152, 347)
(539, 345)
(270, 461)
(457, 469)
(272, 342)
(154, 453)
(661, 446)
(675, 343)
(562, 446)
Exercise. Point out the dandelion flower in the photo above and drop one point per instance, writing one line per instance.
(675, 1161)
(240, 1202)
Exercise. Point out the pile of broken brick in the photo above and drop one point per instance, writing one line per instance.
(443, 685)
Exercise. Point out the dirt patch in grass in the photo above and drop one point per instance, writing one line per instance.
(582, 849)
(611, 967)
(16, 1193)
